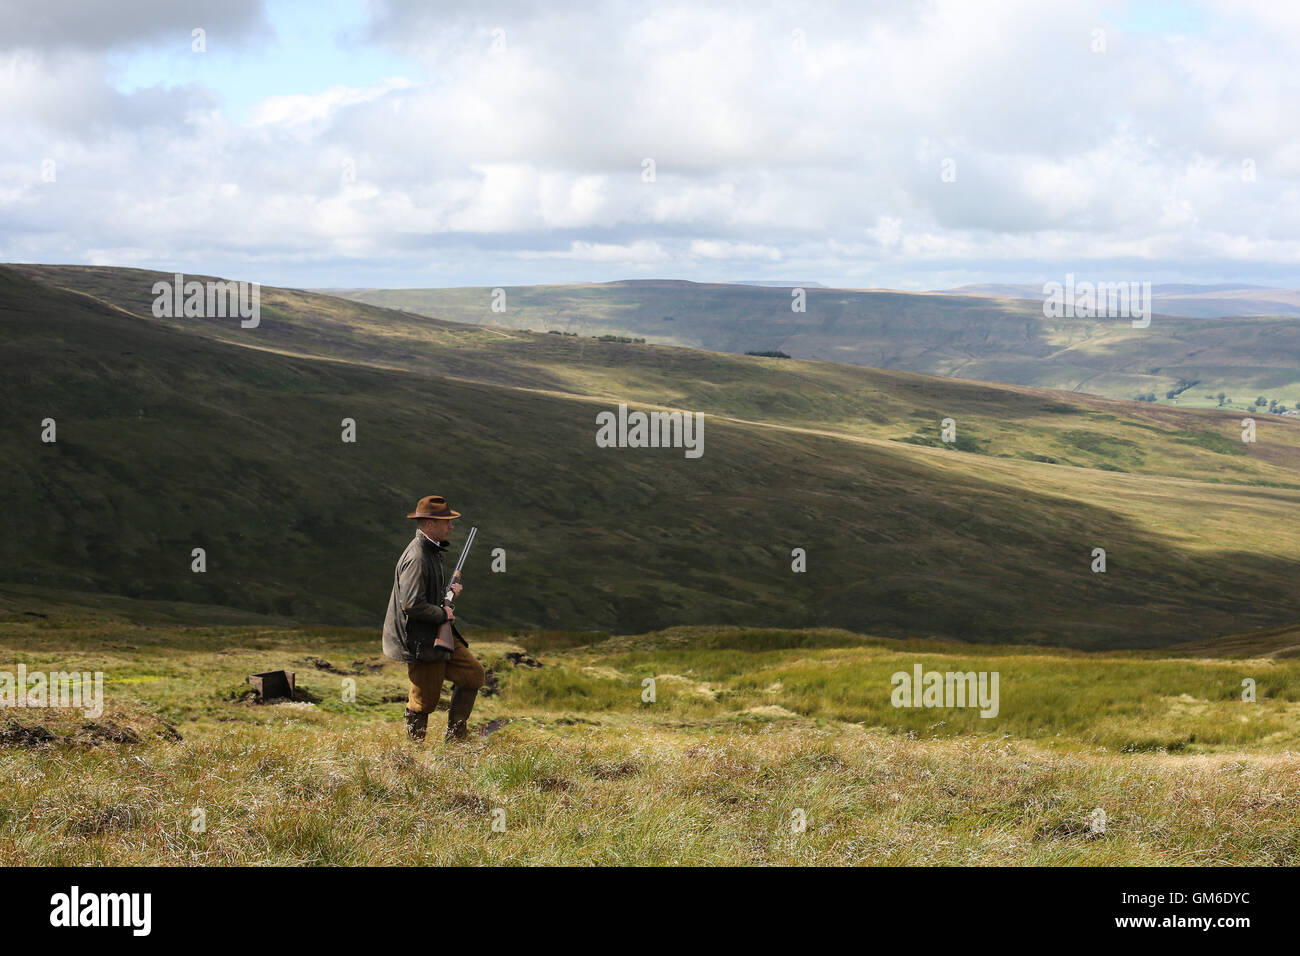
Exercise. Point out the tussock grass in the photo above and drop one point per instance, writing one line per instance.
(643, 795)
(580, 771)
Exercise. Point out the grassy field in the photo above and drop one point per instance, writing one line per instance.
(751, 732)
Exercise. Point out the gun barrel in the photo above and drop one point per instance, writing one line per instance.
(464, 552)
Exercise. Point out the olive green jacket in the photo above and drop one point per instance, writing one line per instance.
(415, 606)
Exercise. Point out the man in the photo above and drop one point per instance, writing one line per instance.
(415, 612)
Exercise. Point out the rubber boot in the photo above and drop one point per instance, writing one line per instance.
(415, 725)
(462, 702)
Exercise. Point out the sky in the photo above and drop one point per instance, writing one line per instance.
(915, 144)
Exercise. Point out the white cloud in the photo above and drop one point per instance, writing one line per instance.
(821, 153)
(640, 253)
(317, 108)
(710, 249)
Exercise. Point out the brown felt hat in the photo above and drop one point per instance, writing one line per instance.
(433, 506)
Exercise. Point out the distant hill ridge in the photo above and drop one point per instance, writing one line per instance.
(1181, 299)
(1000, 335)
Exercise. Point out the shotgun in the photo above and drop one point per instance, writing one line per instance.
(446, 639)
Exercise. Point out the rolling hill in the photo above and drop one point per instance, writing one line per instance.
(175, 434)
(1181, 299)
(978, 336)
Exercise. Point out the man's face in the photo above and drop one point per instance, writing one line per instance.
(439, 529)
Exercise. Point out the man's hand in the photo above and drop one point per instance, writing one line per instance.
(451, 614)
(455, 587)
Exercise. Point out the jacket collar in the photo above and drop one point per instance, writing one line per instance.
(429, 542)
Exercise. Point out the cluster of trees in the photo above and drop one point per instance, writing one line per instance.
(601, 338)
(1271, 403)
(1182, 386)
(774, 354)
